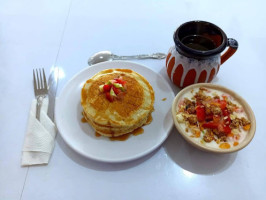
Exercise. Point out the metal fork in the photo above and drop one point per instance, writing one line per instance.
(40, 89)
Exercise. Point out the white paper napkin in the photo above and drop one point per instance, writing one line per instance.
(40, 137)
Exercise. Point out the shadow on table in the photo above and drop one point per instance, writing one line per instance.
(194, 160)
(97, 165)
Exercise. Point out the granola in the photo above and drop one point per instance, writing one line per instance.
(213, 117)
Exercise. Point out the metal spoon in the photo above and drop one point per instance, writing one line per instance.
(108, 56)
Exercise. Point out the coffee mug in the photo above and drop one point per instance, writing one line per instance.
(196, 56)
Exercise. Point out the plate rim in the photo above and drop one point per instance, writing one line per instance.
(116, 160)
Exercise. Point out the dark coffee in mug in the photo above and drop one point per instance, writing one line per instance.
(198, 42)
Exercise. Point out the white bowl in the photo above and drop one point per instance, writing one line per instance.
(238, 98)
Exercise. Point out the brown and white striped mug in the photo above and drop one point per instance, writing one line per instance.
(196, 56)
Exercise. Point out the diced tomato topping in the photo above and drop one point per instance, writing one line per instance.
(107, 88)
(113, 89)
(200, 113)
(119, 80)
(227, 130)
(109, 97)
(116, 90)
(226, 112)
(224, 129)
(220, 126)
(210, 125)
(222, 104)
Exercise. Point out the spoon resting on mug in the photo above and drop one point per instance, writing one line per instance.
(109, 56)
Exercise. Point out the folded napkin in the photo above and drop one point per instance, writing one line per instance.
(40, 137)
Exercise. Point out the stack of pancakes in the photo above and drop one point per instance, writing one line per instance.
(123, 115)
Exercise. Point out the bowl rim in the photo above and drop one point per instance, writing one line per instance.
(237, 97)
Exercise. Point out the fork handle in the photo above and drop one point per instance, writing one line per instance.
(38, 107)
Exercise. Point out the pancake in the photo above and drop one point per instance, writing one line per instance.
(123, 115)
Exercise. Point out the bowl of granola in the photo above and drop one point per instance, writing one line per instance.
(213, 118)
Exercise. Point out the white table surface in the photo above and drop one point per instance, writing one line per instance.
(65, 33)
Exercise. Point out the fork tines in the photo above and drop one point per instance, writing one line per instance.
(39, 80)
(40, 88)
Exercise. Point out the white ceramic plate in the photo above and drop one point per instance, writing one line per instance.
(81, 137)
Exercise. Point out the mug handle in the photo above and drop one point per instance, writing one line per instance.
(233, 45)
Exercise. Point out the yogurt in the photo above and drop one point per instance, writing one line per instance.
(213, 118)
